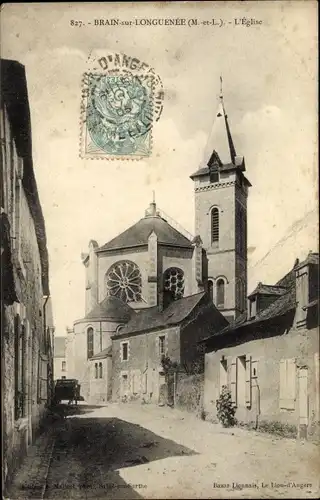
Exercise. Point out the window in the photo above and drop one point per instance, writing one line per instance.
(220, 292)
(173, 281)
(89, 343)
(210, 289)
(124, 351)
(253, 308)
(63, 366)
(43, 378)
(214, 176)
(96, 370)
(287, 384)
(215, 226)
(100, 370)
(241, 230)
(162, 339)
(123, 280)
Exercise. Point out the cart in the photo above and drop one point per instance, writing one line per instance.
(67, 390)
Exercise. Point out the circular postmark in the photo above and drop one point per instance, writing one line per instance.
(122, 98)
(119, 112)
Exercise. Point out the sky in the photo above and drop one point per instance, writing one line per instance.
(270, 93)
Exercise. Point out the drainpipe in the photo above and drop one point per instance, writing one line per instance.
(46, 297)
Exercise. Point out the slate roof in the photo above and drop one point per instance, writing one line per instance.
(138, 234)
(283, 304)
(152, 318)
(106, 353)
(222, 168)
(268, 290)
(59, 347)
(111, 308)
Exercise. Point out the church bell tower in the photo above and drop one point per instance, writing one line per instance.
(221, 192)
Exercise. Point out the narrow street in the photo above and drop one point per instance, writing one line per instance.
(141, 451)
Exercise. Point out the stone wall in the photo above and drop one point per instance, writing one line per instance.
(189, 392)
(24, 322)
(301, 347)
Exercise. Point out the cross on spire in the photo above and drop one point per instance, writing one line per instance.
(221, 94)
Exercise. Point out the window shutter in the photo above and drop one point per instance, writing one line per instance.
(144, 383)
(248, 381)
(233, 381)
(291, 383)
(287, 384)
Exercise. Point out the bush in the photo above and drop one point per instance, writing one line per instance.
(225, 409)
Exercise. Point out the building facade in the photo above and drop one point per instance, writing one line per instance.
(59, 358)
(171, 332)
(26, 314)
(156, 263)
(269, 357)
(91, 337)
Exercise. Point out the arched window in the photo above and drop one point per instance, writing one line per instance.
(100, 370)
(220, 292)
(89, 343)
(210, 289)
(96, 370)
(215, 226)
(123, 280)
(173, 281)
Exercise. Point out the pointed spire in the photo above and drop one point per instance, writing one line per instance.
(220, 139)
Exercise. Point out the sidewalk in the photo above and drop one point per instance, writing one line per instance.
(30, 480)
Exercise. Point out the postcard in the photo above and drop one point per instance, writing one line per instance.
(159, 251)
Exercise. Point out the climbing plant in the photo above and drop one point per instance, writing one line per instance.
(225, 409)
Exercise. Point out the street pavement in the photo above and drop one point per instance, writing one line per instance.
(130, 451)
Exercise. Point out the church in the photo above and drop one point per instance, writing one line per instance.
(155, 290)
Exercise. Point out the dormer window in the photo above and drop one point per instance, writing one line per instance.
(214, 176)
(214, 164)
(253, 308)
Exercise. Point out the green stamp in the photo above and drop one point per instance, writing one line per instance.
(117, 116)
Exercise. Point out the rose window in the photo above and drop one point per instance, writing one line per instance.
(123, 280)
(174, 281)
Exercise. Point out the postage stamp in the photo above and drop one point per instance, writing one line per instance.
(117, 115)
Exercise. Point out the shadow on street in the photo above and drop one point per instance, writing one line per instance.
(89, 451)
